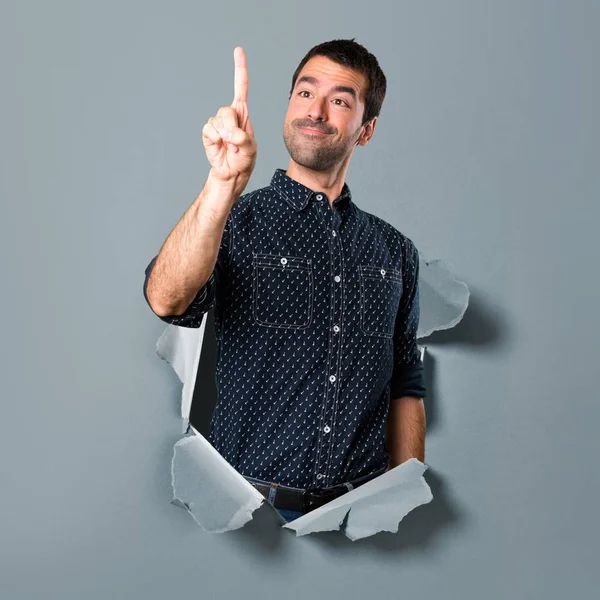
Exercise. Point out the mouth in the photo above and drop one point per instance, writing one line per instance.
(312, 131)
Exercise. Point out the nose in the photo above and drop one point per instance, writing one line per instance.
(316, 110)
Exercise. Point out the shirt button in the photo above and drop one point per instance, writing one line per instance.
(337, 278)
(383, 271)
(319, 196)
(336, 328)
(320, 475)
(332, 378)
(283, 261)
(326, 429)
(333, 233)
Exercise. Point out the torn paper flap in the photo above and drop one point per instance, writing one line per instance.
(181, 347)
(443, 299)
(212, 491)
(378, 505)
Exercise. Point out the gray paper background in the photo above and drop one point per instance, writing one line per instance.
(485, 154)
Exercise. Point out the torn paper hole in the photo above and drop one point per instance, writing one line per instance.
(220, 499)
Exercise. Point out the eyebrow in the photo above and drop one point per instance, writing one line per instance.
(338, 88)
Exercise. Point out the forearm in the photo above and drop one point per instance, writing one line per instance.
(405, 436)
(189, 254)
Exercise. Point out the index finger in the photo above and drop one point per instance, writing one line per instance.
(240, 84)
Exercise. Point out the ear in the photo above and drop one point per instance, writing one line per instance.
(367, 134)
(370, 128)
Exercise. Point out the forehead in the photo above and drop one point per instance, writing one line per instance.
(329, 73)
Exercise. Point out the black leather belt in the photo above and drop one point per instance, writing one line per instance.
(305, 500)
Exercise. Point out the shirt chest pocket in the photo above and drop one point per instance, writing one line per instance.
(380, 293)
(282, 290)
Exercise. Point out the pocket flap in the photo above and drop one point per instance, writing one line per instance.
(282, 261)
(380, 272)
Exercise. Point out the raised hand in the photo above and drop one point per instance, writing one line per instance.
(228, 137)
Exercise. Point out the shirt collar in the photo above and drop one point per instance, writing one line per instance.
(299, 196)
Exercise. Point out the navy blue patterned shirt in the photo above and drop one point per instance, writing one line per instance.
(316, 315)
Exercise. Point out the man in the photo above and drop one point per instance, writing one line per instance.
(319, 379)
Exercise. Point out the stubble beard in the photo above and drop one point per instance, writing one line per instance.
(317, 154)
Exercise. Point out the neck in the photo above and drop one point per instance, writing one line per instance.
(328, 182)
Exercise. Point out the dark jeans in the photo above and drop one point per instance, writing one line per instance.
(289, 515)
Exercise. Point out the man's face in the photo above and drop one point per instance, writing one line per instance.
(336, 113)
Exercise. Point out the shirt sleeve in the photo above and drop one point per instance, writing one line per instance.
(207, 295)
(407, 374)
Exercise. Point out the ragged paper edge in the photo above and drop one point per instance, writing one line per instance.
(376, 506)
(220, 501)
(191, 339)
(439, 288)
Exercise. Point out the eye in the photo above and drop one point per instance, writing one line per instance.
(307, 92)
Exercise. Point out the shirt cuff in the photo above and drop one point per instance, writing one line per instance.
(409, 383)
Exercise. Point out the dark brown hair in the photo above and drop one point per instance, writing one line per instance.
(351, 54)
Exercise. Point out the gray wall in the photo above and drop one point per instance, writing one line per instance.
(485, 154)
